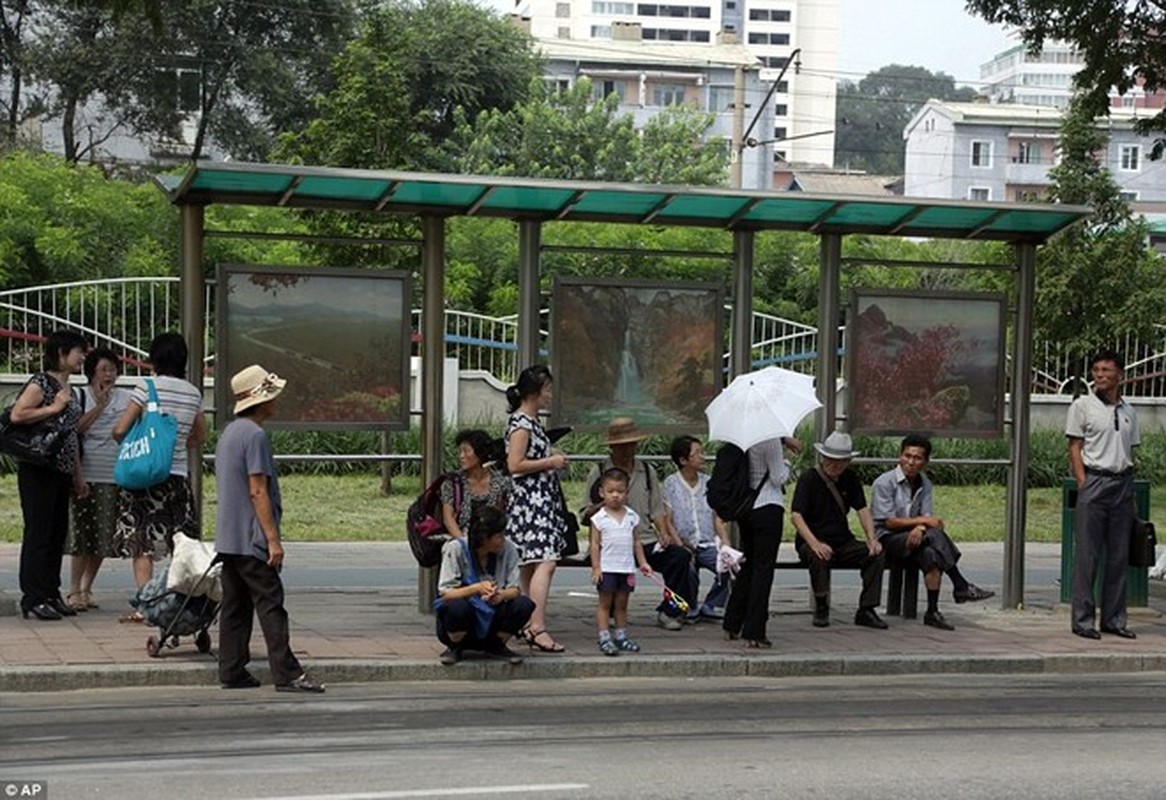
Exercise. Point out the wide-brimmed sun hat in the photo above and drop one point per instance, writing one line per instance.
(254, 385)
(622, 430)
(837, 446)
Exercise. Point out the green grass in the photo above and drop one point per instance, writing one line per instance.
(339, 508)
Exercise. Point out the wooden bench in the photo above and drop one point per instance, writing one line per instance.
(902, 583)
(902, 587)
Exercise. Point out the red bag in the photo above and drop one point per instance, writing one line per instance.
(423, 524)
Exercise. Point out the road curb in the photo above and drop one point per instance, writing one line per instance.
(65, 678)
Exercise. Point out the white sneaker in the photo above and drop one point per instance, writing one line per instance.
(666, 622)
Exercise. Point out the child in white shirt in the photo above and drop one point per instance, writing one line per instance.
(615, 553)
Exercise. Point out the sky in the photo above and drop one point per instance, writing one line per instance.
(937, 34)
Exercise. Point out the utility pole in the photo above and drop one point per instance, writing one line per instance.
(738, 143)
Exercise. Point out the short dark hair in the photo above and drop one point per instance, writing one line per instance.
(95, 357)
(614, 474)
(485, 521)
(530, 382)
(58, 345)
(1107, 354)
(916, 440)
(478, 440)
(681, 447)
(168, 355)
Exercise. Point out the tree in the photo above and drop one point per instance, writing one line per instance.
(15, 25)
(571, 136)
(872, 114)
(400, 83)
(1096, 282)
(1121, 43)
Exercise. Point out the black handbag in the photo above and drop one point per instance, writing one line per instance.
(1143, 543)
(571, 534)
(38, 443)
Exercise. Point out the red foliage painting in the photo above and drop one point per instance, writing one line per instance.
(928, 363)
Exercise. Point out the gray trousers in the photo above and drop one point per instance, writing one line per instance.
(1105, 512)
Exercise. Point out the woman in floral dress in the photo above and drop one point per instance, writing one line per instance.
(537, 526)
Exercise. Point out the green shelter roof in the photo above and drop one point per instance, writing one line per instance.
(416, 193)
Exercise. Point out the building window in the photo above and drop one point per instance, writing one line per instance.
(759, 14)
(782, 87)
(562, 10)
(700, 36)
(648, 33)
(779, 16)
(780, 110)
(777, 62)
(606, 7)
(758, 38)
(779, 38)
(646, 10)
(600, 31)
(1130, 157)
(667, 94)
(557, 85)
(601, 89)
(980, 194)
(1027, 153)
(564, 33)
(1128, 197)
(730, 6)
(779, 134)
(184, 85)
(981, 154)
(720, 99)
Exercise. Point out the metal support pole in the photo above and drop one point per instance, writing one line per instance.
(432, 374)
(529, 240)
(1015, 521)
(741, 358)
(190, 295)
(829, 280)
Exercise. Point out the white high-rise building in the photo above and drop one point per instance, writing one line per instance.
(803, 103)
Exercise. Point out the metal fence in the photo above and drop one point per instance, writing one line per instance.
(124, 314)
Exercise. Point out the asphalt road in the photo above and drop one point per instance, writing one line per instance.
(968, 737)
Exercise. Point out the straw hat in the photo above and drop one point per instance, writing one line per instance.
(837, 446)
(622, 430)
(254, 385)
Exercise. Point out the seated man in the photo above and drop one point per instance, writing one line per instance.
(912, 535)
(666, 553)
(822, 500)
(686, 498)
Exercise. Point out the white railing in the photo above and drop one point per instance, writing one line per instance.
(124, 314)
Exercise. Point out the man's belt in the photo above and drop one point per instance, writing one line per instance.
(1108, 473)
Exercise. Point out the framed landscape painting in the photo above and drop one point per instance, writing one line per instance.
(649, 350)
(340, 337)
(927, 362)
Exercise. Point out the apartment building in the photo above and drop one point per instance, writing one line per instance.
(1003, 152)
(802, 108)
(649, 76)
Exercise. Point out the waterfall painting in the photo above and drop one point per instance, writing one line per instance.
(649, 350)
(926, 362)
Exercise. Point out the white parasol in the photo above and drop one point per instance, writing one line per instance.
(761, 405)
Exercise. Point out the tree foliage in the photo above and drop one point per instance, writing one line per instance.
(1121, 43)
(399, 86)
(571, 136)
(871, 114)
(1099, 281)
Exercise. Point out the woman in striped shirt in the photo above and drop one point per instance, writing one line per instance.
(149, 518)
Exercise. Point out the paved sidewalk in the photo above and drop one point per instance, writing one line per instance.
(352, 633)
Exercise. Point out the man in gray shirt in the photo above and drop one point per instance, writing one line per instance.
(1103, 431)
(247, 540)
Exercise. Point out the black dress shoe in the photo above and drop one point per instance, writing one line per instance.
(972, 594)
(301, 684)
(822, 617)
(42, 611)
(244, 681)
(868, 618)
(934, 619)
(1124, 633)
(1087, 633)
(62, 607)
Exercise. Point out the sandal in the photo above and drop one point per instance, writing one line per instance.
(89, 601)
(135, 616)
(76, 601)
(532, 638)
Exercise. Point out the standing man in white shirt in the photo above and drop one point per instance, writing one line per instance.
(1103, 431)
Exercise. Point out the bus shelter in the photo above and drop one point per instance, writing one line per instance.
(532, 203)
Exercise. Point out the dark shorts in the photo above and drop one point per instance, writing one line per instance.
(617, 582)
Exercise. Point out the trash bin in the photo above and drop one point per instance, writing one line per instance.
(1137, 578)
